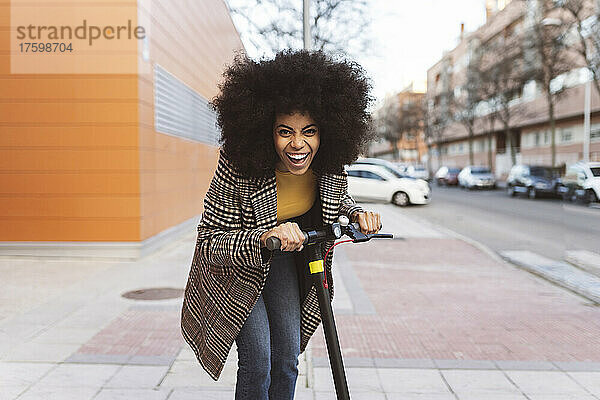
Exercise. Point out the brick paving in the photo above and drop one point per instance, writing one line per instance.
(140, 335)
(441, 298)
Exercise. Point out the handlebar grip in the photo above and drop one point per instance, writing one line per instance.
(273, 243)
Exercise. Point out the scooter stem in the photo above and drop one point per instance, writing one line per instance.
(331, 338)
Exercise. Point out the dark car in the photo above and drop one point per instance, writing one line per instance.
(447, 176)
(533, 180)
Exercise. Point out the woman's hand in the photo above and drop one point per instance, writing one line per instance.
(369, 221)
(289, 234)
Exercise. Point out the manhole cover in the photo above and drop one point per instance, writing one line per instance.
(153, 294)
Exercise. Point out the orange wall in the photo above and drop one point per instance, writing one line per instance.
(79, 157)
(68, 154)
(193, 41)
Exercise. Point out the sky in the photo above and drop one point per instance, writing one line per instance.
(410, 36)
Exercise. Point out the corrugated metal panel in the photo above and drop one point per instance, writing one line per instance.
(181, 111)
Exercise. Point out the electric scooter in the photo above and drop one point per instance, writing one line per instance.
(316, 266)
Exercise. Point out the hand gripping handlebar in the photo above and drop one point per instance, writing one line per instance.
(332, 231)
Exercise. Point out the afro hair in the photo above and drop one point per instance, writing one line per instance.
(335, 93)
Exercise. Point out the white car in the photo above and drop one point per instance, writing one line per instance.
(417, 171)
(582, 182)
(473, 176)
(375, 182)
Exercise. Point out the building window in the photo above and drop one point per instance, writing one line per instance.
(546, 137)
(595, 133)
(180, 111)
(537, 139)
(566, 136)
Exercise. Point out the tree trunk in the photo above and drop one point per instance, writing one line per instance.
(471, 158)
(552, 128)
(396, 151)
(490, 137)
(511, 144)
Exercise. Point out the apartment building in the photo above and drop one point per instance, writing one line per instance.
(530, 134)
(411, 146)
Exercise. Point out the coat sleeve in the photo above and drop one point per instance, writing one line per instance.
(348, 206)
(221, 240)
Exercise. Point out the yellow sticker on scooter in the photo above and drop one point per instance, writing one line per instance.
(316, 266)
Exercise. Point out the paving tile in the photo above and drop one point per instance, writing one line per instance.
(200, 394)
(41, 352)
(59, 393)
(358, 379)
(78, 375)
(65, 335)
(412, 380)
(421, 396)
(22, 374)
(11, 392)
(467, 381)
(577, 365)
(325, 395)
(132, 394)
(561, 397)
(137, 376)
(465, 364)
(491, 396)
(545, 382)
(403, 363)
(526, 365)
(589, 380)
(191, 374)
(303, 394)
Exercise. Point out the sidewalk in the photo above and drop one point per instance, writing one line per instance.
(432, 317)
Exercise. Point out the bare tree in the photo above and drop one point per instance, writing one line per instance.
(547, 42)
(467, 97)
(504, 75)
(387, 123)
(584, 16)
(438, 110)
(412, 115)
(337, 26)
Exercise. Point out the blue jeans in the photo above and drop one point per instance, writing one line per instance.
(269, 341)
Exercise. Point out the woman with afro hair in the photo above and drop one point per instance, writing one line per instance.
(288, 126)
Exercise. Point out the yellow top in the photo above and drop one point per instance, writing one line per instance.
(295, 193)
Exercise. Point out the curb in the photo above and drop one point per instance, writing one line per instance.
(507, 261)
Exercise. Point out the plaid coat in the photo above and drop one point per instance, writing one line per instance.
(229, 267)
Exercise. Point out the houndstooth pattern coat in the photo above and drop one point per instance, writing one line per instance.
(229, 268)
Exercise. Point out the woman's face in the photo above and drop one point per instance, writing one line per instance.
(296, 138)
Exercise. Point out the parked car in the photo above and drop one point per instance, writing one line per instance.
(533, 180)
(401, 167)
(375, 182)
(447, 175)
(581, 182)
(473, 176)
(417, 171)
(394, 168)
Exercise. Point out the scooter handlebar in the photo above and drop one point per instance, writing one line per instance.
(273, 242)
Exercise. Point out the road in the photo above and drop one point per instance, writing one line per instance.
(545, 226)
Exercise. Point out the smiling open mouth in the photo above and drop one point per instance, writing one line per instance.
(297, 158)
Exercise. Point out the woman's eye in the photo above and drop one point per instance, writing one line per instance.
(284, 132)
(310, 132)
